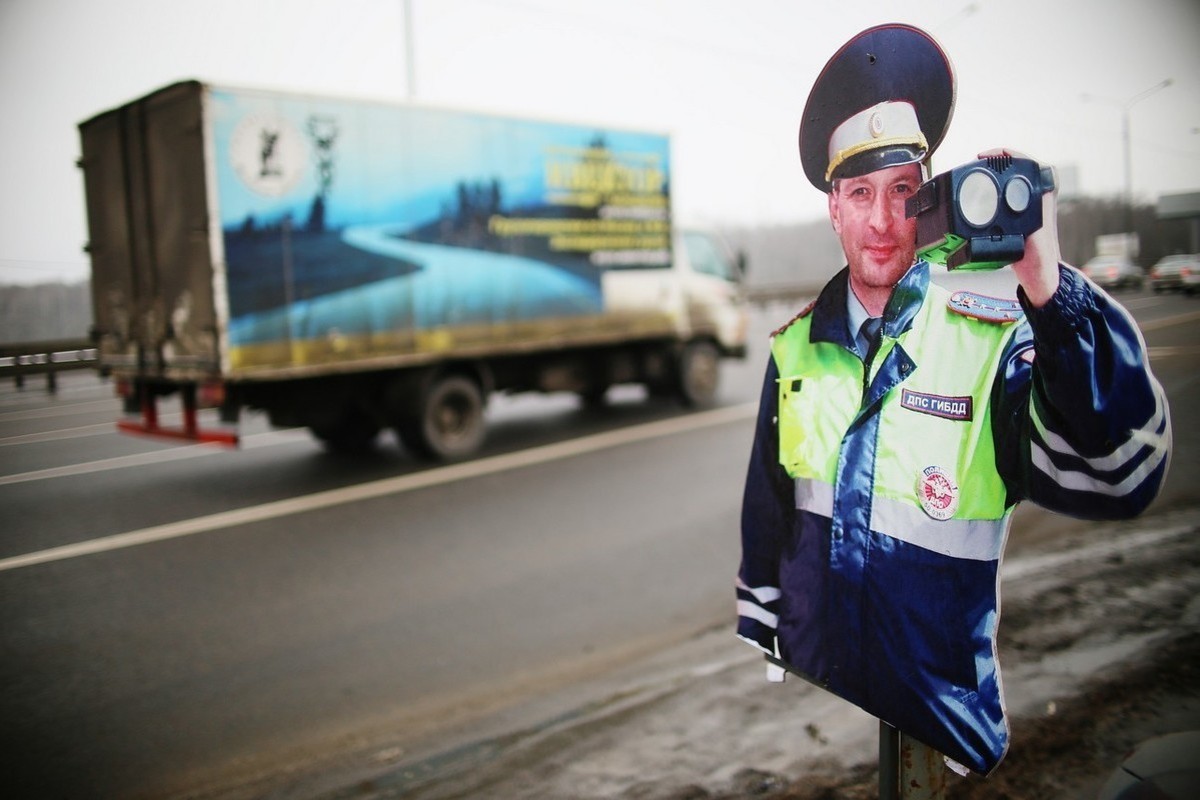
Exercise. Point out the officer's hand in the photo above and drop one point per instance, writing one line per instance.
(1037, 271)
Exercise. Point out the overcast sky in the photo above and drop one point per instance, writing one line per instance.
(727, 80)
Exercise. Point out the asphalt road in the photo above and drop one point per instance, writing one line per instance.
(177, 619)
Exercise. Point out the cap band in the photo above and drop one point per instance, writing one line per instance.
(888, 124)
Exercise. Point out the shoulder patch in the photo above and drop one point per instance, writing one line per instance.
(804, 312)
(984, 308)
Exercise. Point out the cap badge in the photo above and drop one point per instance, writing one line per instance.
(876, 125)
(938, 493)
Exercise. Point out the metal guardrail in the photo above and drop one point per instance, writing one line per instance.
(785, 293)
(45, 358)
(51, 357)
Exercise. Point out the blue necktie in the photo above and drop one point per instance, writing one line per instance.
(868, 337)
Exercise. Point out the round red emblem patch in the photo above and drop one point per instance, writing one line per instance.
(938, 493)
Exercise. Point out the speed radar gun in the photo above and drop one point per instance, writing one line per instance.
(977, 216)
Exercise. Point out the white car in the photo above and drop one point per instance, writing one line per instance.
(1114, 272)
(1178, 272)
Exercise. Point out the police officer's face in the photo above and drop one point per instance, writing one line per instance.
(868, 215)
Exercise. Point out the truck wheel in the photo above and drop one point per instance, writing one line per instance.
(699, 373)
(448, 423)
(353, 432)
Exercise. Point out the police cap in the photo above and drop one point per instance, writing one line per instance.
(884, 99)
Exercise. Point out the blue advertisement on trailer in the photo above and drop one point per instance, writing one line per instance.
(359, 220)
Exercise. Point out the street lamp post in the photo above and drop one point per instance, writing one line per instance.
(1126, 106)
(1125, 134)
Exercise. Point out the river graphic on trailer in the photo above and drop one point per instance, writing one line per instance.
(447, 286)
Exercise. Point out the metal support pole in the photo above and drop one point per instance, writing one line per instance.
(908, 769)
(922, 771)
(889, 762)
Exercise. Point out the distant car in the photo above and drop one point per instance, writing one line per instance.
(1176, 273)
(1114, 272)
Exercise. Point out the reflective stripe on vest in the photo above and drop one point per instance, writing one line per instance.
(973, 539)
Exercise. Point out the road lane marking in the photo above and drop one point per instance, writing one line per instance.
(44, 412)
(62, 433)
(180, 453)
(116, 462)
(389, 486)
(1166, 322)
(1179, 350)
(1142, 302)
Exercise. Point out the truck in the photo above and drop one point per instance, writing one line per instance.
(351, 266)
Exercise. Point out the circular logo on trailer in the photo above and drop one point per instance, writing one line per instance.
(268, 153)
(938, 493)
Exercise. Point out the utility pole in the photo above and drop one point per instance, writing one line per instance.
(1126, 106)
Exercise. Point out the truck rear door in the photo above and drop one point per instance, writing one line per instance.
(148, 227)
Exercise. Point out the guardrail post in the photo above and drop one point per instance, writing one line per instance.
(19, 360)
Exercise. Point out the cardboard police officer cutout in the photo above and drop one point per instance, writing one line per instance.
(901, 628)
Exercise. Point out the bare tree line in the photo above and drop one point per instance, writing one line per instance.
(45, 311)
(808, 254)
(800, 254)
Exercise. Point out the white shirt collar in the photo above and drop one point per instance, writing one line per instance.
(856, 314)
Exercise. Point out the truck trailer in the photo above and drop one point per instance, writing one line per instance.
(349, 266)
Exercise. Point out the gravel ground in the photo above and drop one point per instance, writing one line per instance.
(1099, 643)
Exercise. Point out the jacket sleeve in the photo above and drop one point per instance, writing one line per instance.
(1081, 424)
(768, 506)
